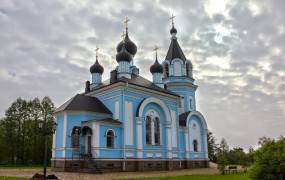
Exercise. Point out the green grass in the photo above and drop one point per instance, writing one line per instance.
(202, 177)
(12, 166)
(12, 178)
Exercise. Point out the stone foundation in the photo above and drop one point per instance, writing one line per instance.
(103, 165)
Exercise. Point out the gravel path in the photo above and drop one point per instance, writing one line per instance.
(106, 176)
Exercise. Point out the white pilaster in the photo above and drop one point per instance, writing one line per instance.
(64, 134)
(169, 138)
(186, 137)
(139, 137)
(95, 139)
(205, 143)
(128, 123)
(173, 129)
(53, 144)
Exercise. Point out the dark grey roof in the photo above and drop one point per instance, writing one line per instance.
(109, 120)
(139, 81)
(175, 51)
(82, 102)
(183, 118)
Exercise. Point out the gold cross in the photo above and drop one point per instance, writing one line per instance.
(126, 22)
(96, 50)
(172, 19)
(155, 49)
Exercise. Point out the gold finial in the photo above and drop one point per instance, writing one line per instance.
(172, 19)
(155, 49)
(126, 22)
(96, 50)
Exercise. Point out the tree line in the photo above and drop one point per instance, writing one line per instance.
(21, 141)
(265, 163)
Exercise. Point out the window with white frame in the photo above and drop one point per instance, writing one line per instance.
(152, 128)
(110, 138)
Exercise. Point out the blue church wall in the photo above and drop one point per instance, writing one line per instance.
(115, 152)
(186, 93)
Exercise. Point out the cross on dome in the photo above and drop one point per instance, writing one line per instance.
(96, 51)
(126, 22)
(172, 19)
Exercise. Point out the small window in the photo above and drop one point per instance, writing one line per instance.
(75, 137)
(166, 70)
(191, 106)
(110, 139)
(195, 145)
(187, 70)
(148, 130)
(194, 126)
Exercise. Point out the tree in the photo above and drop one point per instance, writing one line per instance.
(222, 156)
(20, 140)
(212, 147)
(269, 161)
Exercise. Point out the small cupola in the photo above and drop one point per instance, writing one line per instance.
(96, 68)
(96, 71)
(157, 71)
(123, 55)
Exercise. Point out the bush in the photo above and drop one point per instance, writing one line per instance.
(269, 161)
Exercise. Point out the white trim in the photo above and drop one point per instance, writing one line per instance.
(167, 116)
(156, 101)
(186, 136)
(173, 128)
(201, 117)
(96, 138)
(64, 133)
(117, 110)
(139, 137)
(129, 137)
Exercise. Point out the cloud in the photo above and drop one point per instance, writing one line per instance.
(236, 47)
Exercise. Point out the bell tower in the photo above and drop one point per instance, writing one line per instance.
(177, 72)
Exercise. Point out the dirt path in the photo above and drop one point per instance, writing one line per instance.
(107, 176)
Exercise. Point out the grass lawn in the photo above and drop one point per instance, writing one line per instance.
(11, 166)
(12, 178)
(203, 177)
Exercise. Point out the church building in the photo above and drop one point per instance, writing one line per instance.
(129, 123)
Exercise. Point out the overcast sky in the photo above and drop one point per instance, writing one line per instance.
(236, 47)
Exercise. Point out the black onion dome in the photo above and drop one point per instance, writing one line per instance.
(173, 30)
(123, 55)
(130, 45)
(156, 67)
(96, 68)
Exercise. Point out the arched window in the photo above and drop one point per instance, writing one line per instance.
(148, 130)
(187, 70)
(166, 70)
(110, 138)
(177, 68)
(195, 145)
(75, 137)
(156, 131)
